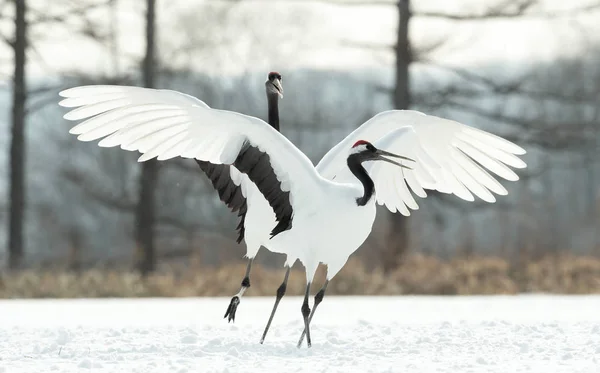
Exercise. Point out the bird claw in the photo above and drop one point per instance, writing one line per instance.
(235, 301)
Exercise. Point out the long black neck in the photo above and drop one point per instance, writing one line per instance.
(272, 101)
(357, 169)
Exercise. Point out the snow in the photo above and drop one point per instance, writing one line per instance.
(532, 333)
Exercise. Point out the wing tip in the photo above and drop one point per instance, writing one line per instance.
(73, 91)
(147, 156)
(489, 199)
(71, 116)
(107, 143)
(83, 138)
(518, 150)
(64, 93)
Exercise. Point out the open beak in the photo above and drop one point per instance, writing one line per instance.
(381, 154)
(279, 87)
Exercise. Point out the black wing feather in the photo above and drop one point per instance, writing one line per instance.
(229, 192)
(257, 165)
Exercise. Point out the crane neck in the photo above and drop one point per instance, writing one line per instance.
(357, 169)
(273, 103)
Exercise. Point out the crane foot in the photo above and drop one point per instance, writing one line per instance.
(230, 313)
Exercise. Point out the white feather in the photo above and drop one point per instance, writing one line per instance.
(328, 226)
(445, 152)
(156, 122)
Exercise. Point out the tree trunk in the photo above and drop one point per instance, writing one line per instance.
(145, 214)
(398, 241)
(17, 146)
(114, 35)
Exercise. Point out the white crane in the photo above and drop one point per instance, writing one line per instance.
(319, 215)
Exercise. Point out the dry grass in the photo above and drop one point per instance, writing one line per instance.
(417, 275)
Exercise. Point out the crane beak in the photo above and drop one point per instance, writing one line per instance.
(279, 87)
(381, 154)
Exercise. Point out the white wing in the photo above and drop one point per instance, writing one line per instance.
(167, 124)
(444, 151)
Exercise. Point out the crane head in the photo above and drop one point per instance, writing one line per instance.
(366, 151)
(273, 84)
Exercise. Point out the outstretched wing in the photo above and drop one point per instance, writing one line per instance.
(167, 124)
(450, 158)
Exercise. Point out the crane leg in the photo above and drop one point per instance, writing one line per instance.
(318, 299)
(305, 313)
(280, 293)
(235, 301)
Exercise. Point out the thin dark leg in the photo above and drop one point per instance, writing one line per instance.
(280, 293)
(318, 299)
(235, 301)
(305, 313)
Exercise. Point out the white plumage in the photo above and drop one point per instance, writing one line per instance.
(327, 224)
(439, 147)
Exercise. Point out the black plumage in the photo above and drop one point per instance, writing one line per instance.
(257, 165)
(229, 192)
(259, 170)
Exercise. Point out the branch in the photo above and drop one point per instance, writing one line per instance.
(420, 51)
(38, 105)
(60, 18)
(417, 53)
(558, 135)
(438, 97)
(506, 9)
(503, 11)
(119, 203)
(371, 46)
(515, 87)
(350, 2)
(10, 42)
(330, 2)
(44, 89)
(123, 203)
(473, 77)
(380, 88)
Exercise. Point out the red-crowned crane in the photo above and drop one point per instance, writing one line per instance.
(226, 179)
(319, 214)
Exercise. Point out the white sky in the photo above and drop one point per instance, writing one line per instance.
(265, 34)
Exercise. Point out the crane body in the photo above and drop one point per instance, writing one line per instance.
(313, 214)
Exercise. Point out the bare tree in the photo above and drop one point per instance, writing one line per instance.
(145, 212)
(17, 146)
(484, 97)
(398, 234)
(398, 242)
(24, 103)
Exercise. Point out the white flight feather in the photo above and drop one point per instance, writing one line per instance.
(167, 124)
(450, 157)
(445, 152)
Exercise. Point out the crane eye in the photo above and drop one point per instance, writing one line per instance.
(370, 147)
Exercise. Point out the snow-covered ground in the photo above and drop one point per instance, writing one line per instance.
(531, 333)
